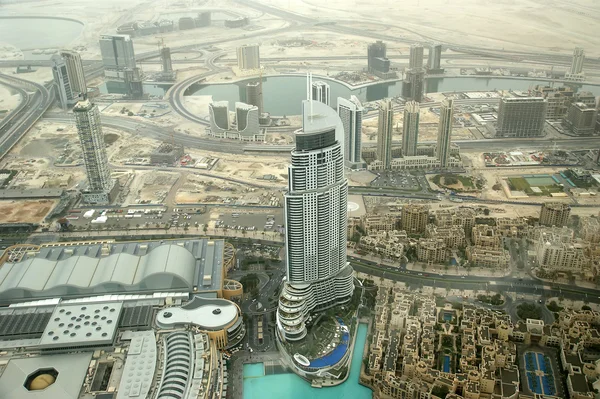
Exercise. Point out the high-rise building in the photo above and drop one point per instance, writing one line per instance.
(555, 214)
(64, 92)
(385, 126)
(254, 95)
(117, 55)
(89, 129)
(410, 129)
(414, 218)
(75, 72)
(219, 116)
(321, 92)
(350, 112)
(375, 50)
(434, 61)
(577, 63)
(165, 58)
(413, 85)
(581, 119)
(416, 57)
(558, 99)
(134, 87)
(521, 117)
(576, 71)
(246, 116)
(248, 57)
(318, 275)
(445, 132)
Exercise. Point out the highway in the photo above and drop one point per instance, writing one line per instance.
(494, 284)
(34, 107)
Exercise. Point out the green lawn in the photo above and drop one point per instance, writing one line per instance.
(521, 184)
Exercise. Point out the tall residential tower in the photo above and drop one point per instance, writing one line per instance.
(410, 130)
(445, 132)
(64, 92)
(321, 92)
(416, 57)
(576, 70)
(75, 71)
(89, 129)
(350, 112)
(385, 126)
(318, 275)
(248, 57)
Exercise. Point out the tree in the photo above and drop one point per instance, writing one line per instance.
(486, 211)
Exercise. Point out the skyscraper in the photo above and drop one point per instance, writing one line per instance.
(117, 55)
(410, 130)
(521, 117)
(248, 57)
(321, 92)
(219, 116)
(165, 58)
(350, 113)
(385, 125)
(318, 275)
(75, 72)
(434, 60)
(89, 129)
(413, 84)
(416, 56)
(375, 50)
(64, 92)
(246, 117)
(254, 95)
(445, 131)
(578, 59)
(576, 71)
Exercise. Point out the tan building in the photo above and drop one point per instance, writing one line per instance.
(496, 258)
(453, 236)
(414, 218)
(371, 222)
(464, 217)
(554, 214)
(561, 256)
(483, 235)
(432, 250)
(590, 229)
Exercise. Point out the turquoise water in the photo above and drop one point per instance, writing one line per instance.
(290, 386)
(446, 368)
(283, 95)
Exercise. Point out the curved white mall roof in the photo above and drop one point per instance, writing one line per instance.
(208, 314)
(98, 274)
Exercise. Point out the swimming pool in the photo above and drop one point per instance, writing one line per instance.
(290, 386)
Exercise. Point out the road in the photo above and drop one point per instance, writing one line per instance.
(31, 112)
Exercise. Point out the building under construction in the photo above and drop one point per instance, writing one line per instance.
(166, 153)
(166, 73)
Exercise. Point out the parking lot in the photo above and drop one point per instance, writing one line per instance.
(238, 218)
(402, 180)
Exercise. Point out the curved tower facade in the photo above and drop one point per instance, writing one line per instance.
(318, 275)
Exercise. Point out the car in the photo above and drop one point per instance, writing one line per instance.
(462, 277)
(420, 274)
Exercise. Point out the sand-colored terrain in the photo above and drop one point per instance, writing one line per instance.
(25, 211)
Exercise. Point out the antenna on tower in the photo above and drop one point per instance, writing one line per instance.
(310, 99)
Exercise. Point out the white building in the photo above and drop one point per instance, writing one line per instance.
(64, 93)
(248, 57)
(321, 92)
(416, 57)
(75, 71)
(576, 71)
(246, 127)
(318, 275)
(89, 128)
(350, 112)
